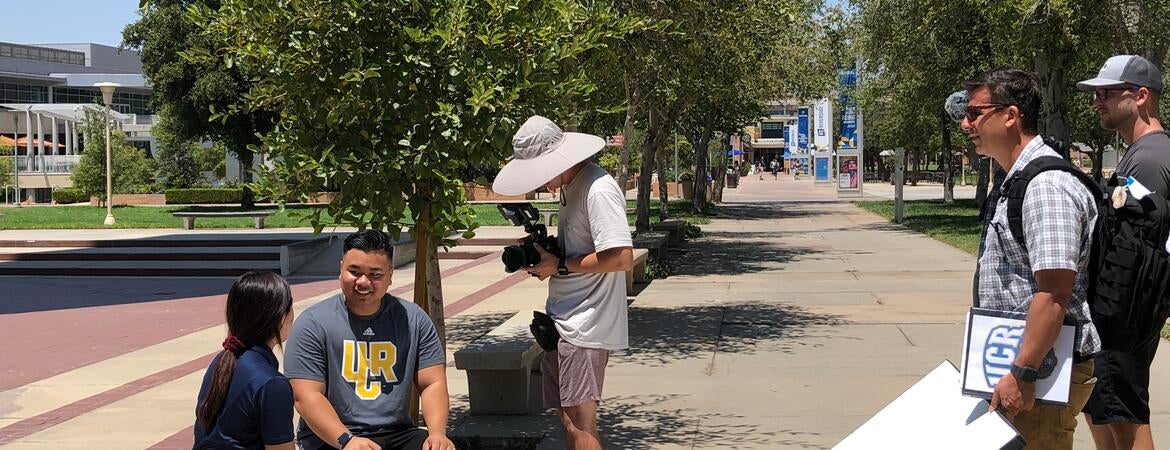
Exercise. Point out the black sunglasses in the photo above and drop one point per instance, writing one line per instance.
(1103, 94)
(973, 112)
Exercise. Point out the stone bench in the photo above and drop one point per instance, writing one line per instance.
(548, 214)
(190, 216)
(677, 229)
(654, 241)
(638, 272)
(503, 369)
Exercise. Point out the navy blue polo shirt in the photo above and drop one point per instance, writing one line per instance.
(258, 409)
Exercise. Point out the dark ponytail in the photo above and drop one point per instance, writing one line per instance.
(256, 307)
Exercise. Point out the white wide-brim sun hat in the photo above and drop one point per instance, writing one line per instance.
(540, 152)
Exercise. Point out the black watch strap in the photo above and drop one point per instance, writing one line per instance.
(562, 268)
(1025, 373)
(344, 439)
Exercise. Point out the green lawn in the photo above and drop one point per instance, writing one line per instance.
(956, 224)
(76, 217)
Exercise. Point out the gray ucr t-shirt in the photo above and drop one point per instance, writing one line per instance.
(368, 364)
(590, 308)
(1148, 161)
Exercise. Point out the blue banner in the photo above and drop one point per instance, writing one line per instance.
(802, 128)
(847, 140)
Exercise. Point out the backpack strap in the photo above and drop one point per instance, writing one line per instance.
(1016, 186)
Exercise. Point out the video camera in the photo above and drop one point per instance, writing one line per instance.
(524, 254)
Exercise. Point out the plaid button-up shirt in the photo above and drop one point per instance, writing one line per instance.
(1058, 219)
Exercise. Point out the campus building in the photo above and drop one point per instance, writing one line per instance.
(45, 91)
(775, 135)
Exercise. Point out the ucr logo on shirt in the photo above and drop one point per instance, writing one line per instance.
(368, 366)
(1003, 343)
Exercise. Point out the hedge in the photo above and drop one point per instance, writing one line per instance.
(203, 196)
(69, 195)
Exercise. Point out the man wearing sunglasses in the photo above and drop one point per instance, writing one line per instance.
(1046, 278)
(1125, 96)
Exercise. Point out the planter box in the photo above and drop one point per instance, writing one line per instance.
(671, 189)
(476, 192)
(132, 199)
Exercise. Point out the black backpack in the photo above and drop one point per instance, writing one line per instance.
(1129, 268)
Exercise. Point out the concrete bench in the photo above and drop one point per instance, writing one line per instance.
(654, 241)
(638, 272)
(190, 216)
(548, 214)
(503, 369)
(677, 229)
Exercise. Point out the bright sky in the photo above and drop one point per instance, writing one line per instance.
(66, 21)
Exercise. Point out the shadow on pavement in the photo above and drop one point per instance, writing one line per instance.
(773, 210)
(24, 294)
(660, 336)
(729, 253)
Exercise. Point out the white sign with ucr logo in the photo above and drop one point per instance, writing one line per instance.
(992, 343)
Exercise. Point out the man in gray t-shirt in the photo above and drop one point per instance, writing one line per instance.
(587, 289)
(352, 360)
(1126, 94)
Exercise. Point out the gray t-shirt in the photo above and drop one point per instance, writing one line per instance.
(1148, 161)
(590, 308)
(368, 364)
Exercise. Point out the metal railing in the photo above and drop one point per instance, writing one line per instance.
(47, 163)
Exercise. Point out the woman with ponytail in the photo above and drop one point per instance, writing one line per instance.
(245, 402)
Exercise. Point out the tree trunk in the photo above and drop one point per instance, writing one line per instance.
(1098, 157)
(627, 134)
(248, 198)
(649, 149)
(663, 195)
(700, 142)
(917, 160)
(428, 287)
(947, 159)
(1052, 71)
(721, 168)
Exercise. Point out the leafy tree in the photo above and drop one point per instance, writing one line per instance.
(132, 172)
(175, 158)
(192, 82)
(6, 152)
(389, 100)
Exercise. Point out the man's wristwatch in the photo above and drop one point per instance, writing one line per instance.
(344, 439)
(562, 269)
(1025, 373)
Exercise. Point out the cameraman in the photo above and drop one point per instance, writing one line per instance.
(587, 292)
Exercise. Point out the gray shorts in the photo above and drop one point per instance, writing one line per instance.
(572, 375)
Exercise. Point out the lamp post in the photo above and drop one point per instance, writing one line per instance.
(108, 96)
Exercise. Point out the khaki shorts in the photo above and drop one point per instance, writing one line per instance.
(572, 375)
(1051, 427)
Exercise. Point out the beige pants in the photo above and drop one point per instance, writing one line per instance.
(1051, 427)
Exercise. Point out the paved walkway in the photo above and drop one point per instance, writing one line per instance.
(791, 322)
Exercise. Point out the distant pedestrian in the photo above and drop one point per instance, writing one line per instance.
(245, 402)
(775, 169)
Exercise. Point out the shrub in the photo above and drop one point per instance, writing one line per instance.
(693, 231)
(209, 196)
(657, 269)
(69, 195)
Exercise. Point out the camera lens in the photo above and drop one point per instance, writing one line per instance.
(513, 258)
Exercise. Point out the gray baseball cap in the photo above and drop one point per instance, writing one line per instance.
(1125, 69)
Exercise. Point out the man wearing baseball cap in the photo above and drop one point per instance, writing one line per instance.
(587, 289)
(1126, 92)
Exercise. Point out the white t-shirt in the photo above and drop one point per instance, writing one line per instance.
(590, 308)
